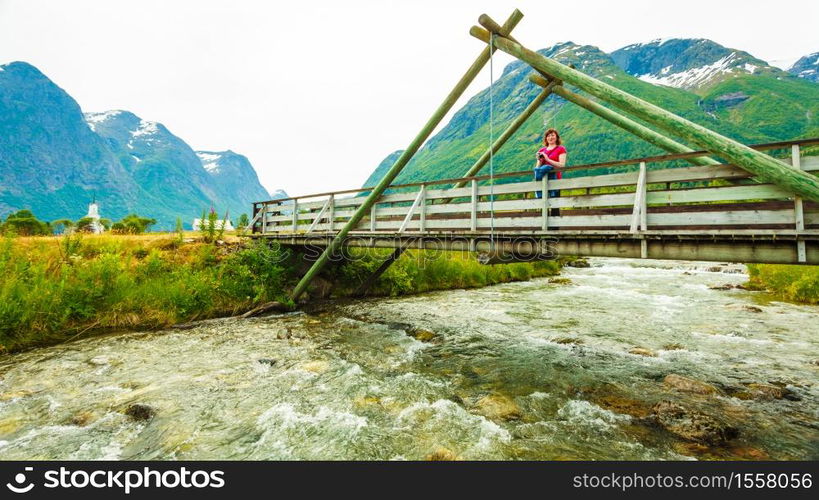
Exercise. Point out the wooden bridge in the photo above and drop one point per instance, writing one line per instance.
(756, 204)
(650, 210)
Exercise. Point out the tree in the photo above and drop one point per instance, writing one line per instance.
(24, 223)
(132, 224)
(85, 225)
(244, 220)
(61, 225)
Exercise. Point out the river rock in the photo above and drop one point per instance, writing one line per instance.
(140, 412)
(82, 419)
(560, 281)
(726, 286)
(318, 366)
(641, 351)
(714, 269)
(624, 405)
(422, 334)
(692, 425)
(673, 347)
(498, 407)
(580, 263)
(442, 455)
(686, 384)
(99, 361)
(753, 309)
(767, 392)
(267, 361)
(567, 340)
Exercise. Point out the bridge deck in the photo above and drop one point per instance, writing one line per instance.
(694, 213)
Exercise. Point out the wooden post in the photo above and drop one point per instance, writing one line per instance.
(759, 164)
(625, 123)
(372, 217)
(332, 213)
(545, 187)
(474, 215)
(405, 157)
(422, 223)
(295, 214)
(798, 209)
(638, 214)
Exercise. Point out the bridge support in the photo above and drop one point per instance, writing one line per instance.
(405, 157)
(761, 165)
(365, 286)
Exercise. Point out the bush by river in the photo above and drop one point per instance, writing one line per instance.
(792, 283)
(55, 289)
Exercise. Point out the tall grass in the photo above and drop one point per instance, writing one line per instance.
(793, 283)
(54, 289)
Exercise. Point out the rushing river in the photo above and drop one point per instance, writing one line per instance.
(532, 370)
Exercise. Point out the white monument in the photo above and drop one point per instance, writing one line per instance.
(94, 214)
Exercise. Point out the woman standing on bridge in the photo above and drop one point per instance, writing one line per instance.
(550, 159)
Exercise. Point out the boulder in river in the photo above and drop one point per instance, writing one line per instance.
(267, 361)
(642, 351)
(497, 406)
(442, 455)
(692, 425)
(140, 412)
(560, 281)
(581, 263)
(422, 334)
(686, 384)
(767, 392)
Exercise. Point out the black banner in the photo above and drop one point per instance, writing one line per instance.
(90, 480)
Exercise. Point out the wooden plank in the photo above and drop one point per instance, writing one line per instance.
(295, 215)
(372, 216)
(639, 198)
(319, 215)
(474, 206)
(422, 207)
(798, 208)
(411, 211)
(545, 202)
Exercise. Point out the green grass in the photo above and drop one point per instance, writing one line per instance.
(792, 283)
(55, 289)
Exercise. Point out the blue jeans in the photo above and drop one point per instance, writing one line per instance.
(539, 171)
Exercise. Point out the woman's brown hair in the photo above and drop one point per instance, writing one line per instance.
(551, 131)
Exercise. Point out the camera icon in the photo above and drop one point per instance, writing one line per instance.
(20, 479)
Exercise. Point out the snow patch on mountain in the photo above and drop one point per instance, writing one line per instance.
(210, 161)
(93, 118)
(695, 76)
(145, 128)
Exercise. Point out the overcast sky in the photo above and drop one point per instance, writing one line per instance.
(317, 93)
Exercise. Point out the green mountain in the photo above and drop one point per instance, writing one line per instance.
(723, 89)
(54, 159)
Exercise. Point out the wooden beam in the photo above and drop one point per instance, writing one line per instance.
(418, 200)
(365, 286)
(763, 166)
(405, 157)
(638, 219)
(798, 208)
(473, 225)
(321, 212)
(625, 123)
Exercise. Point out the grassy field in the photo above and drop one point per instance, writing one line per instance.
(58, 288)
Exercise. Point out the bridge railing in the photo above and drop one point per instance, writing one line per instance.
(651, 196)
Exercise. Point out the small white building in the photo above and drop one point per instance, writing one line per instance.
(94, 214)
(197, 224)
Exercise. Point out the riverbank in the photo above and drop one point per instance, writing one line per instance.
(792, 283)
(56, 289)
